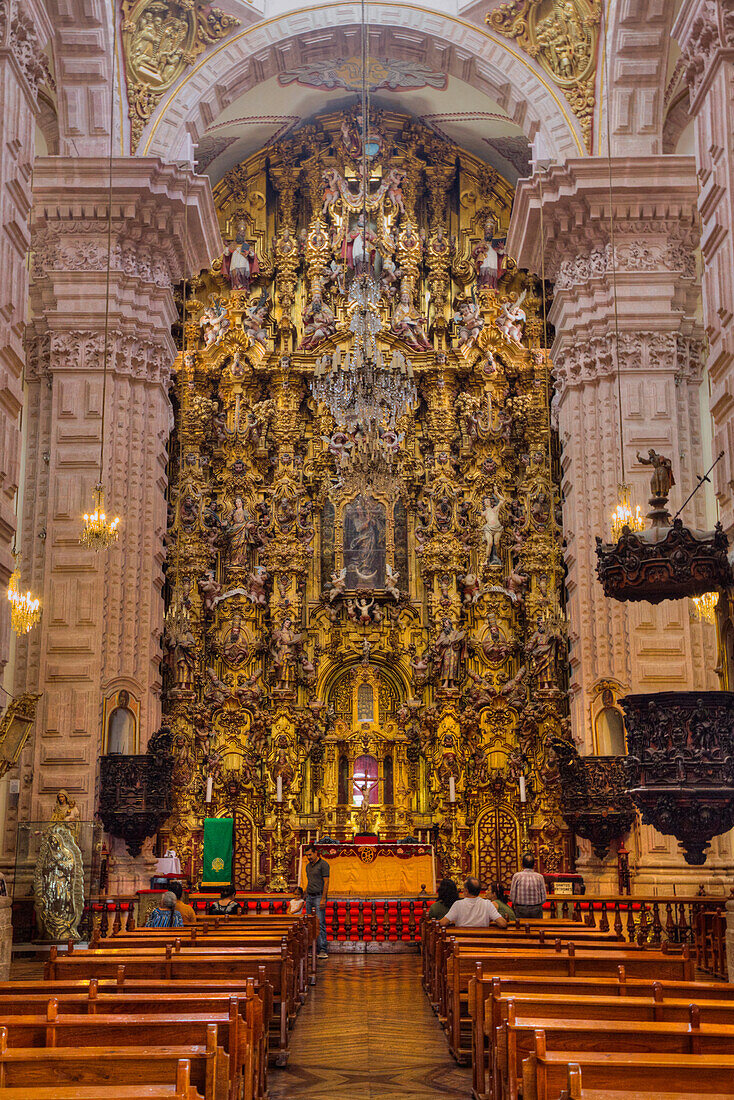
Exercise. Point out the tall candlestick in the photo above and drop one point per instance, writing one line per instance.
(209, 785)
(279, 789)
(452, 789)
(523, 795)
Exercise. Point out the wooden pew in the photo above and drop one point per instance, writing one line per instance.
(516, 1041)
(570, 963)
(175, 1029)
(627, 1086)
(189, 965)
(486, 990)
(87, 1065)
(545, 1073)
(181, 1090)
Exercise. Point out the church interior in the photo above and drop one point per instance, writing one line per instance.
(367, 524)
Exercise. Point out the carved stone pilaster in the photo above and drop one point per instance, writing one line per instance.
(100, 632)
(656, 364)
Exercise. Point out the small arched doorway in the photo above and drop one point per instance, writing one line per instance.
(497, 840)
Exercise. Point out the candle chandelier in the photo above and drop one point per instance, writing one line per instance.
(98, 532)
(624, 515)
(25, 610)
(368, 389)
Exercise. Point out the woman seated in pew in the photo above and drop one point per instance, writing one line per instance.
(296, 904)
(448, 893)
(473, 911)
(165, 914)
(498, 895)
(227, 905)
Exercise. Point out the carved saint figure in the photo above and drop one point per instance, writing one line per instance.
(408, 324)
(493, 525)
(66, 810)
(319, 322)
(235, 650)
(360, 245)
(240, 264)
(285, 647)
(488, 259)
(662, 480)
(450, 649)
(239, 533)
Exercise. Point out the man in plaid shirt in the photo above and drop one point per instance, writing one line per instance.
(527, 890)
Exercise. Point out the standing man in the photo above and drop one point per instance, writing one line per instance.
(473, 911)
(317, 891)
(527, 890)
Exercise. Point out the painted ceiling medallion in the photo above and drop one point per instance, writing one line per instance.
(383, 73)
(562, 37)
(161, 39)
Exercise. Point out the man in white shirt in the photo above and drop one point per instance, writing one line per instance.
(473, 911)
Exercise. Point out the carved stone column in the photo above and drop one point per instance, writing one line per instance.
(705, 32)
(102, 613)
(24, 28)
(613, 645)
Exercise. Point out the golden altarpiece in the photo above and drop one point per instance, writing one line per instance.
(365, 637)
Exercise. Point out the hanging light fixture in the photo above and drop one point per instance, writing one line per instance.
(25, 610)
(98, 533)
(368, 390)
(624, 515)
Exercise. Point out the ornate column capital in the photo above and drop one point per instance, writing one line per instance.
(704, 30)
(653, 198)
(24, 27)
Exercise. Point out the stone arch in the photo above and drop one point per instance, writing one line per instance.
(457, 48)
(82, 48)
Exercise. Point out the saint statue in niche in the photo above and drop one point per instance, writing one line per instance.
(121, 726)
(364, 543)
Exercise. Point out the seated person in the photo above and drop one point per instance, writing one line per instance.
(448, 893)
(188, 916)
(227, 904)
(296, 904)
(473, 911)
(165, 915)
(498, 895)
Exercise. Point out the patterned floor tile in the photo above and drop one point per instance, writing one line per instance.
(368, 1033)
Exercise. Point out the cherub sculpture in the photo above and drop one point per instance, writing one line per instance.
(391, 582)
(215, 323)
(337, 584)
(257, 580)
(511, 321)
(470, 323)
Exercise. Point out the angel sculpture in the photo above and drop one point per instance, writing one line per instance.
(215, 322)
(209, 589)
(331, 189)
(337, 584)
(395, 189)
(512, 320)
(364, 607)
(470, 323)
(257, 580)
(253, 320)
(471, 588)
(391, 582)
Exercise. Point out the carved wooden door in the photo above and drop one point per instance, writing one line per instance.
(243, 870)
(497, 845)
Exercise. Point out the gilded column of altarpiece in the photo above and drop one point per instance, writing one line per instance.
(371, 634)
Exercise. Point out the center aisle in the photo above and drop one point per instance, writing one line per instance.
(367, 1033)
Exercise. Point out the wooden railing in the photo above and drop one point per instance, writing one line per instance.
(663, 921)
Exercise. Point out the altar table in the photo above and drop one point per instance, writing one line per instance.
(376, 870)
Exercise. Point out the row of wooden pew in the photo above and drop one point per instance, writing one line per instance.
(194, 1013)
(550, 1010)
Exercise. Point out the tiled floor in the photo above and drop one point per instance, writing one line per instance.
(367, 1033)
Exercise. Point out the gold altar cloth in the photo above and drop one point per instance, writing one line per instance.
(377, 870)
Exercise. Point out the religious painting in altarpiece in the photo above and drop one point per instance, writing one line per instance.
(328, 613)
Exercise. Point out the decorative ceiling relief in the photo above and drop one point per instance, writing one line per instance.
(562, 37)
(160, 41)
(383, 74)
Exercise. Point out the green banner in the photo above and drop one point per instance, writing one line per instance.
(217, 861)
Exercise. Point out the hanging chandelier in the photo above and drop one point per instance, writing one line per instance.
(623, 515)
(25, 610)
(98, 532)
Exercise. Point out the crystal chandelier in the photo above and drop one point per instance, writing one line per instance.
(25, 611)
(98, 533)
(705, 606)
(623, 516)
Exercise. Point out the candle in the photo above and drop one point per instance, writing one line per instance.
(279, 789)
(209, 785)
(452, 789)
(523, 796)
